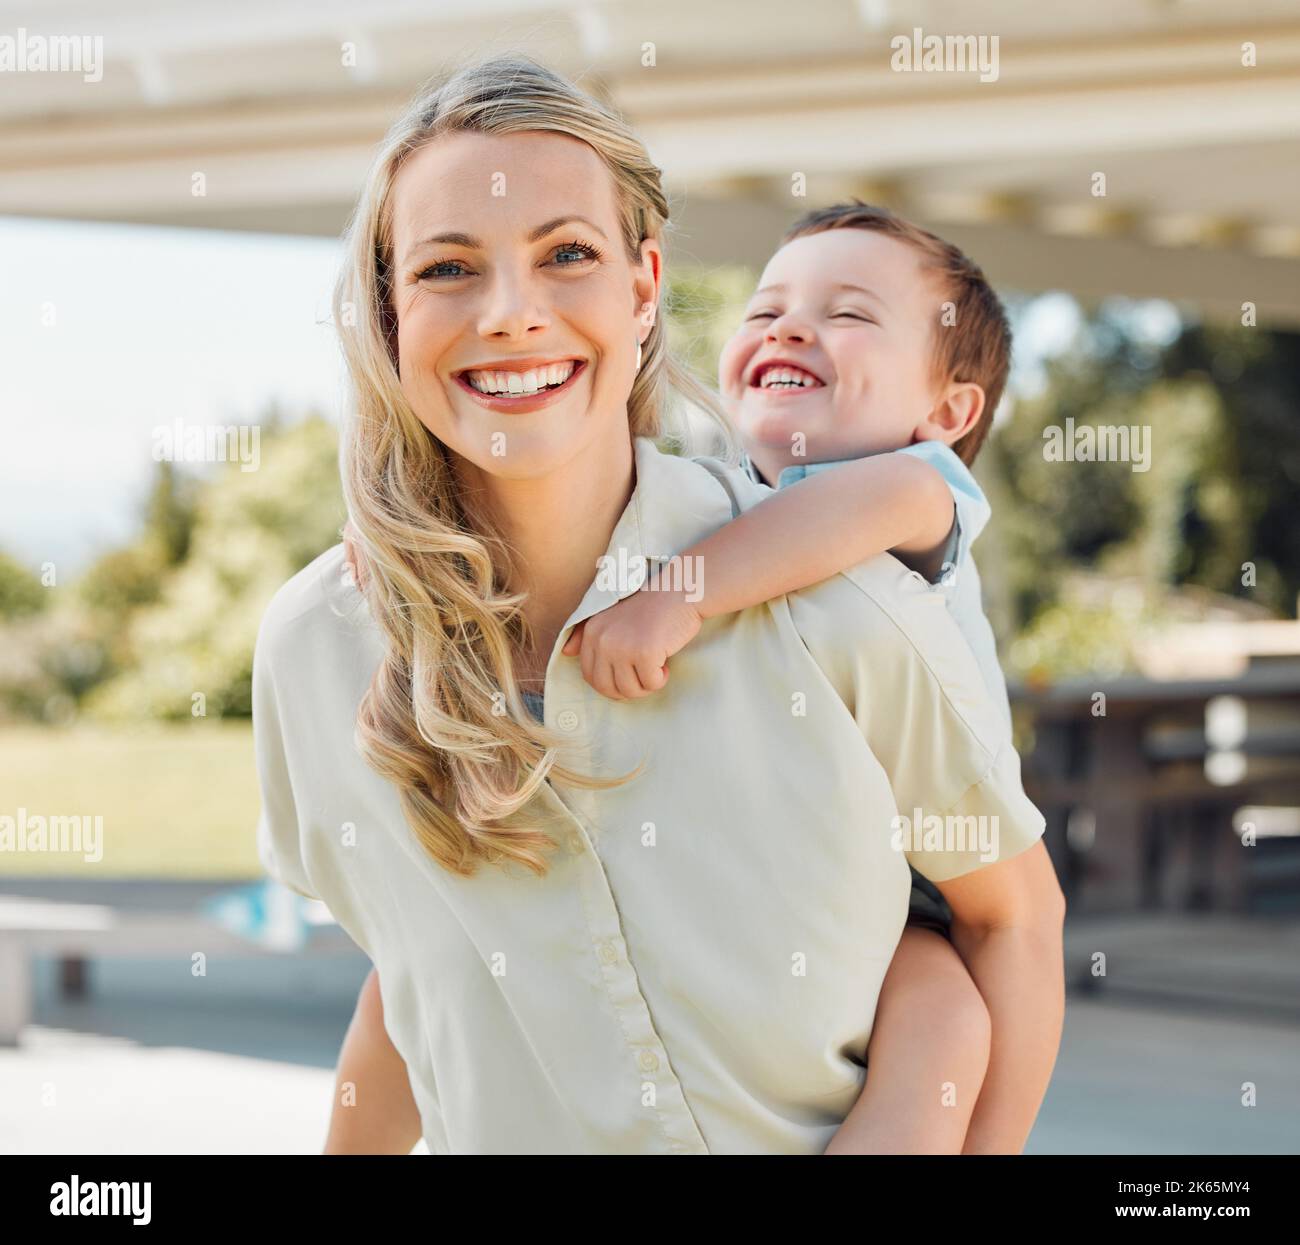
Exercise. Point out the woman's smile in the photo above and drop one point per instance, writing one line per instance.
(508, 387)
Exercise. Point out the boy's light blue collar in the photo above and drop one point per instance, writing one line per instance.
(788, 475)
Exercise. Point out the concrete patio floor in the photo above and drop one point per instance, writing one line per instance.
(145, 1064)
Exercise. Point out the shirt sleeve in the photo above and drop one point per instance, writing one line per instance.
(278, 842)
(972, 507)
(914, 688)
(992, 820)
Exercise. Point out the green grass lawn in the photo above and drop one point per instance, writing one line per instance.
(178, 801)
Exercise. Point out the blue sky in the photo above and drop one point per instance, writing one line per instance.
(150, 325)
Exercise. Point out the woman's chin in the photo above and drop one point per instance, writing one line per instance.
(529, 447)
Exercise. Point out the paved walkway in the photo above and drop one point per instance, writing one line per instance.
(1138, 1079)
(155, 1061)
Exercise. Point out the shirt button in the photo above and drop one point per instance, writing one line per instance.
(606, 952)
(567, 720)
(648, 1061)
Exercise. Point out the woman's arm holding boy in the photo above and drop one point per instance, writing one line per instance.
(374, 1109)
(959, 814)
(1007, 928)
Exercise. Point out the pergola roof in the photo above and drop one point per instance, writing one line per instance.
(1199, 150)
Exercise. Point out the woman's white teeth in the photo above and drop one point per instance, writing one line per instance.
(787, 378)
(522, 382)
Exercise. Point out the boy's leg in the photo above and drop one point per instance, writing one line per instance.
(928, 1053)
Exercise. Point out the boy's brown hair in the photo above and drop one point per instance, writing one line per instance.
(978, 346)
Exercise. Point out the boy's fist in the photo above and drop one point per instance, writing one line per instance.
(624, 650)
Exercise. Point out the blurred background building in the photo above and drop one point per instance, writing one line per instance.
(1126, 173)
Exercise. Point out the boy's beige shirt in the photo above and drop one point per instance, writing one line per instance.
(699, 971)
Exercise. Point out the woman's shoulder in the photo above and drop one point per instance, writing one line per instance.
(741, 488)
(881, 628)
(320, 602)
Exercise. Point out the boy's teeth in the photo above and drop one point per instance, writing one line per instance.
(522, 382)
(786, 377)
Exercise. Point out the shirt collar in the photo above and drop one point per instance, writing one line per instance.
(675, 501)
(788, 475)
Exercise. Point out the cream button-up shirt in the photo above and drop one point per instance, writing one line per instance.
(699, 970)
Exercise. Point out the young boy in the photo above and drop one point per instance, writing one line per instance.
(870, 360)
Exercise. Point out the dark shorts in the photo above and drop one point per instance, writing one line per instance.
(927, 908)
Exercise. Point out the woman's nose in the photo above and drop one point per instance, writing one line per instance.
(511, 308)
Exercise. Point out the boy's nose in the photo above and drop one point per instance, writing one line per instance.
(779, 331)
(789, 326)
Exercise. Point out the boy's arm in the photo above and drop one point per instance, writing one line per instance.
(824, 524)
(791, 540)
(1007, 922)
(374, 1109)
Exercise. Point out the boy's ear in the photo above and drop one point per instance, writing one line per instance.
(956, 412)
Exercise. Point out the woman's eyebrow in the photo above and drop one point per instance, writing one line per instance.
(472, 243)
(552, 225)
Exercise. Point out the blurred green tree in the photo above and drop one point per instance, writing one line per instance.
(1219, 492)
(21, 591)
(191, 647)
(1243, 508)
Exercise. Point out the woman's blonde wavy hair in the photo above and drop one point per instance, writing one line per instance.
(443, 718)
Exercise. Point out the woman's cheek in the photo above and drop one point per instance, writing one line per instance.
(417, 342)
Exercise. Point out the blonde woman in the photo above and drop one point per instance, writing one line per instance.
(655, 926)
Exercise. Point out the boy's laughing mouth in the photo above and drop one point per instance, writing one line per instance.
(783, 376)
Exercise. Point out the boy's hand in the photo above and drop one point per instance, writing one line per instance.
(624, 649)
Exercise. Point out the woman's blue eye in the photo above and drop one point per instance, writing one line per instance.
(446, 263)
(580, 249)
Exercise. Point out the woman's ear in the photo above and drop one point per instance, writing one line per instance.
(956, 412)
(350, 557)
(645, 284)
